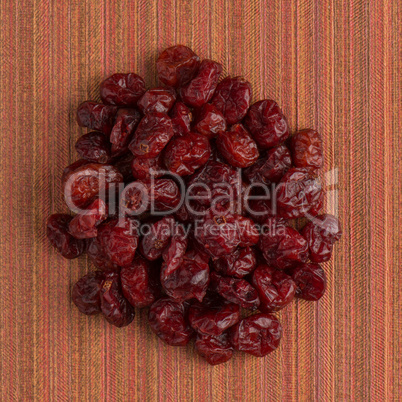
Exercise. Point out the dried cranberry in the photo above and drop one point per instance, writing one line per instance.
(71, 168)
(157, 238)
(310, 280)
(258, 335)
(94, 147)
(297, 193)
(238, 264)
(98, 256)
(283, 247)
(200, 90)
(232, 97)
(86, 293)
(190, 211)
(164, 194)
(177, 65)
(115, 308)
(60, 238)
(157, 100)
(214, 349)
(275, 288)
(96, 116)
(123, 164)
(184, 155)
(249, 235)
(237, 147)
(271, 167)
(119, 240)
(122, 89)
(237, 291)
(167, 319)
(139, 282)
(209, 121)
(145, 168)
(152, 135)
(259, 209)
(173, 254)
(181, 119)
(307, 149)
(84, 225)
(321, 234)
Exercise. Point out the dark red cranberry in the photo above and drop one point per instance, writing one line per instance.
(173, 254)
(209, 121)
(145, 168)
(157, 100)
(123, 164)
(214, 349)
(248, 231)
(310, 280)
(181, 119)
(259, 209)
(307, 149)
(98, 257)
(86, 293)
(96, 116)
(238, 264)
(94, 147)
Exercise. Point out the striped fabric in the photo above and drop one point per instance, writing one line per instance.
(332, 65)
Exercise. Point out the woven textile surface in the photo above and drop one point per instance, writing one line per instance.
(331, 65)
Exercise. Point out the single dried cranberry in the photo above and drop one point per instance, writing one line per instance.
(96, 116)
(213, 319)
(306, 148)
(86, 293)
(237, 147)
(84, 225)
(259, 209)
(249, 235)
(283, 247)
(126, 122)
(271, 167)
(184, 155)
(123, 164)
(177, 65)
(82, 185)
(145, 168)
(297, 193)
(200, 90)
(139, 282)
(310, 280)
(267, 124)
(119, 240)
(238, 264)
(173, 254)
(115, 308)
(214, 349)
(321, 233)
(60, 238)
(164, 194)
(167, 319)
(94, 147)
(157, 238)
(209, 121)
(71, 168)
(275, 288)
(258, 335)
(122, 89)
(181, 119)
(152, 135)
(188, 280)
(157, 100)
(232, 97)
(98, 256)
(237, 291)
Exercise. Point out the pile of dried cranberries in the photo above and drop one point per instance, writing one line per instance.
(184, 198)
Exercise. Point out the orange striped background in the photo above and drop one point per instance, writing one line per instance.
(332, 65)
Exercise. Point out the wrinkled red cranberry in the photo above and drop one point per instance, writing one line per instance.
(237, 147)
(310, 280)
(173, 254)
(267, 124)
(123, 164)
(122, 89)
(86, 293)
(238, 264)
(98, 256)
(94, 147)
(84, 225)
(258, 335)
(139, 282)
(157, 100)
(321, 234)
(181, 119)
(260, 209)
(283, 247)
(248, 232)
(96, 116)
(144, 168)
(184, 155)
(271, 167)
(167, 319)
(232, 97)
(275, 288)
(164, 194)
(152, 135)
(202, 86)
(306, 148)
(177, 65)
(60, 238)
(119, 240)
(297, 193)
(214, 349)
(209, 121)
(115, 308)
